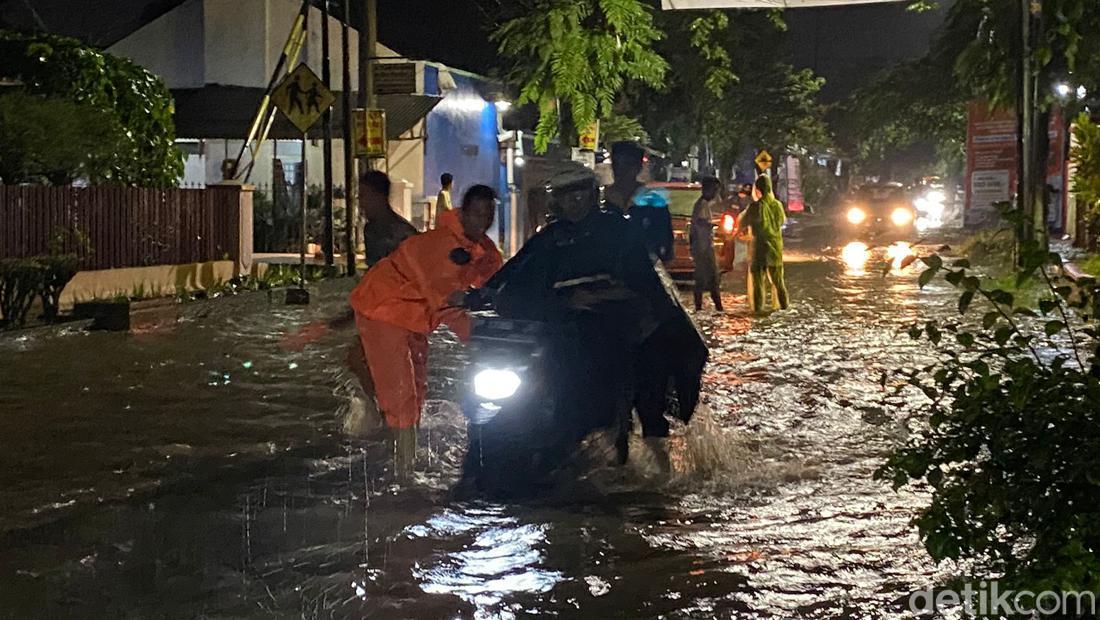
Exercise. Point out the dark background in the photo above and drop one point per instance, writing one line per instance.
(846, 45)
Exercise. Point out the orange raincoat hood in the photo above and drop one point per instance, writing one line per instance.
(409, 288)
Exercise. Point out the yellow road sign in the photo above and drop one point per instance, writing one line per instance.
(302, 98)
(590, 137)
(763, 159)
(369, 132)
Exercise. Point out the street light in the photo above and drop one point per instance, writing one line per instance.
(1062, 89)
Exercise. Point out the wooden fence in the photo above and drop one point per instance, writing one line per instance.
(123, 226)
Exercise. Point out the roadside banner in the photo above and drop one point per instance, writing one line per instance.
(990, 162)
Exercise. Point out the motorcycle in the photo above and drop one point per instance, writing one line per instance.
(528, 404)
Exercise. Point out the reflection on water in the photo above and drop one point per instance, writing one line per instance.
(856, 255)
(502, 559)
(206, 472)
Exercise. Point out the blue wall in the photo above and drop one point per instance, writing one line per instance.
(462, 140)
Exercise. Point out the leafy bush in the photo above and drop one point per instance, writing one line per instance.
(1086, 180)
(55, 141)
(20, 282)
(137, 100)
(1014, 421)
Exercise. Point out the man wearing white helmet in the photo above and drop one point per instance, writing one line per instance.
(590, 268)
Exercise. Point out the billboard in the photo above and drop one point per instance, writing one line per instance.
(990, 162)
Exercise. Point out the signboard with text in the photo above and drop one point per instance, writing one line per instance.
(990, 162)
(590, 137)
(369, 132)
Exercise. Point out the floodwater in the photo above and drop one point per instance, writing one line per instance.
(205, 472)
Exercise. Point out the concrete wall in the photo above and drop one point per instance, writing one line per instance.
(235, 35)
(233, 42)
(157, 281)
(170, 46)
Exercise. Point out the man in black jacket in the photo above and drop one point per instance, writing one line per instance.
(590, 269)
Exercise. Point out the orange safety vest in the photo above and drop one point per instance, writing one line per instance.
(409, 288)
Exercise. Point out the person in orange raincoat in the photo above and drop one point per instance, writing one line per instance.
(408, 294)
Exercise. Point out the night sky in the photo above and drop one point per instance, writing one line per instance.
(846, 45)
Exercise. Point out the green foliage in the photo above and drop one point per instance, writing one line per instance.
(1013, 421)
(20, 281)
(577, 55)
(619, 127)
(986, 36)
(1086, 156)
(912, 104)
(56, 141)
(728, 92)
(138, 101)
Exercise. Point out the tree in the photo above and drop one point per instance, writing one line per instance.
(1086, 181)
(56, 141)
(1064, 47)
(728, 93)
(137, 101)
(572, 58)
(915, 104)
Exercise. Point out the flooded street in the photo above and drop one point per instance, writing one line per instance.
(204, 472)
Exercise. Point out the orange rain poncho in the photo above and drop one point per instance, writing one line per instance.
(403, 298)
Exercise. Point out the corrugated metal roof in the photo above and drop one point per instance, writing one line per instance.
(227, 111)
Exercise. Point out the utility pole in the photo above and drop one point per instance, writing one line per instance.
(1024, 204)
(368, 41)
(351, 206)
(326, 77)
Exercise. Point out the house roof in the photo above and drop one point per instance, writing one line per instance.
(216, 111)
(99, 23)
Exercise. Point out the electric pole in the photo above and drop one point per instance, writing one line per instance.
(351, 206)
(329, 245)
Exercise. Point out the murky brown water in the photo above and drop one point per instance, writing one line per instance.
(203, 473)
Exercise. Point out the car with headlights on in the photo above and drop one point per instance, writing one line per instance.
(878, 212)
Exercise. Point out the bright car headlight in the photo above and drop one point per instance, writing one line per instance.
(856, 215)
(901, 216)
(936, 196)
(496, 384)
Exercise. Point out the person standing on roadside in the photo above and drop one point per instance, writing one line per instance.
(443, 198)
(765, 216)
(653, 223)
(385, 229)
(707, 276)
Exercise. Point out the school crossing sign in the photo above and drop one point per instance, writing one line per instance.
(302, 98)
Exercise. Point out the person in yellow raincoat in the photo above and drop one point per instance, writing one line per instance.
(765, 216)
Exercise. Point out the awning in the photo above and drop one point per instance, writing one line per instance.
(671, 5)
(226, 112)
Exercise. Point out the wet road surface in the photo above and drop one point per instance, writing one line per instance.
(205, 472)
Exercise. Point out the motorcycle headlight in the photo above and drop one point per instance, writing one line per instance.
(856, 215)
(901, 216)
(728, 223)
(496, 384)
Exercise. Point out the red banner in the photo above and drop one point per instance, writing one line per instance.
(990, 161)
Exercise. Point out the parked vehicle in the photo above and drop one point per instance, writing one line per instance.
(681, 202)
